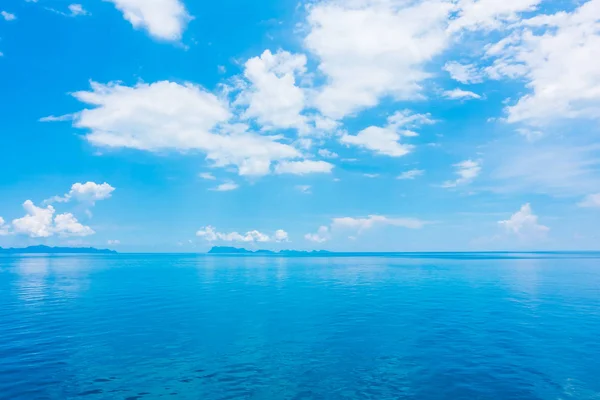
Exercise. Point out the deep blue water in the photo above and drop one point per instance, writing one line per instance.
(201, 327)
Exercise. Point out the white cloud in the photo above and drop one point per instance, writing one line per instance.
(113, 242)
(77, 9)
(467, 171)
(88, 192)
(181, 117)
(226, 187)
(37, 223)
(385, 140)
(592, 201)
(327, 153)
(321, 236)
(362, 224)
(460, 94)
(4, 228)
(210, 234)
(524, 224)
(41, 223)
(272, 96)
(66, 225)
(556, 55)
(371, 176)
(371, 49)
(281, 236)
(207, 175)
(303, 189)
(489, 14)
(303, 167)
(8, 16)
(463, 73)
(411, 174)
(163, 19)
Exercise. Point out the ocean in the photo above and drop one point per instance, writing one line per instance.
(393, 326)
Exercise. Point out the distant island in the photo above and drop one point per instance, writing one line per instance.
(236, 250)
(55, 250)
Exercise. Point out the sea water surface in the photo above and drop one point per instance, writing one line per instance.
(449, 326)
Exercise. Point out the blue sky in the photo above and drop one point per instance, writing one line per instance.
(357, 125)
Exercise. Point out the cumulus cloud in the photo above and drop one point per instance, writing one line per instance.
(368, 50)
(271, 94)
(321, 236)
(89, 192)
(37, 223)
(386, 140)
(524, 224)
(591, 201)
(303, 167)
(411, 174)
(163, 19)
(113, 242)
(67, 225)
(181, 117)
(41, 223)
(467, 171)
(459, 94)
(210, 234)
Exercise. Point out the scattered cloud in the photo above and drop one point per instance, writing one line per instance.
(210, 234)
(226, 187)
(89, 192)
(459, 94)
(463, 73)
(386, 140)
(524, 224)
(371, 175)
(411, 174)
(467, 171)
(271, 94)
(8, 16)
(327, 153)
(321, 236)
(77, 9)
(555, 55)
(281, 236)
(207, 176)
(368, 50)
(113, 242)
(179, 117)
(591, 201)
(303, 167)
(66, 225)
(163, 19)
(41, 223)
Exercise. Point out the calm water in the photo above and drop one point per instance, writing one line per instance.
(199, 327)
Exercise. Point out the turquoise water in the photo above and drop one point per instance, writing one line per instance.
(390, 327)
